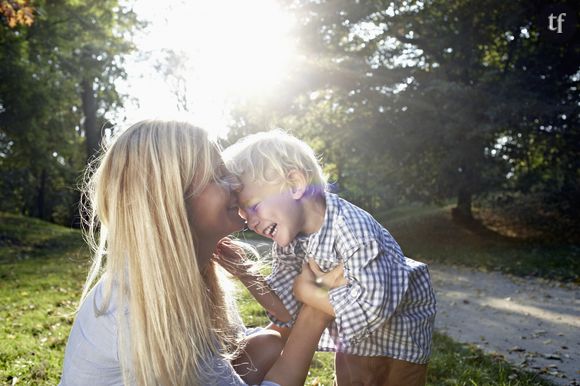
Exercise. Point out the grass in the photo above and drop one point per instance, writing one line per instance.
(42, 269)
(429, 234)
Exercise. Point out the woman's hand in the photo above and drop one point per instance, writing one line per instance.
(331, 279)
(312, 280)
(231, 257)
(304, 283)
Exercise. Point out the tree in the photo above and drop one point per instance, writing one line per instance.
(435, 87)
(56, 74)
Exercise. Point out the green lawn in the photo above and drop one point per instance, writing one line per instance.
(42, 268)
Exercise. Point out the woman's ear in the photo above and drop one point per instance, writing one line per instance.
(298, 183)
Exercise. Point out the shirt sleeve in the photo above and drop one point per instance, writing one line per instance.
(285, 268)
(377, 283)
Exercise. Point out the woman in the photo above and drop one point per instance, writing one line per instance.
(159, 203)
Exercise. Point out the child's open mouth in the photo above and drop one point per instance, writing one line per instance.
(271, 230)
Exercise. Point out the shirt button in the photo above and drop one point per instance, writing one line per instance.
(354, 292)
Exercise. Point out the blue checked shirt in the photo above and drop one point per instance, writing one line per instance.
(388, 306)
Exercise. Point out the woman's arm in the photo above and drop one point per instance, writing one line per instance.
(233, 259)
(292, 366)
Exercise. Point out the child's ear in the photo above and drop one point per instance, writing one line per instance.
(298, 183)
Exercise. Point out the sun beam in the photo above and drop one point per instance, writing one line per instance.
(230, 51)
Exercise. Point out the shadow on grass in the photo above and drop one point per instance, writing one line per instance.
(23, 238)
(431, 234)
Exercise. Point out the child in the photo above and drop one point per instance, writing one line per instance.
(384, 307)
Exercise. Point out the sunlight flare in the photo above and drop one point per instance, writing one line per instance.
(226, 51)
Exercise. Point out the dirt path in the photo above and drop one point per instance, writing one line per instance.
(533, 323)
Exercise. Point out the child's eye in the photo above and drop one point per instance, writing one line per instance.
(253, 208)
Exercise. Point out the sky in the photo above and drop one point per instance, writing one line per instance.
(230, 51)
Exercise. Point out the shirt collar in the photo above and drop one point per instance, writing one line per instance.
(324, 237)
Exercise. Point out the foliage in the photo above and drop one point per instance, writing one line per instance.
(16, 13)
(430, 100)
(49, 69)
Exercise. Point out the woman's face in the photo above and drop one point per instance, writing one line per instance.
(214, 212)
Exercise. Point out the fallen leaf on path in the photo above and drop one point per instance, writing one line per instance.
(516, 349)
(553, 356)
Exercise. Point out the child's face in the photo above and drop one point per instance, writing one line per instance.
(271, 210)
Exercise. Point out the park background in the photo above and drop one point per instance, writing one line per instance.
(455, 123)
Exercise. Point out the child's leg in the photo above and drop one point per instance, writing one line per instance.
(261, 351)
(356, 370)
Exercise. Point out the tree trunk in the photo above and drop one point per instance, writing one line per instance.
(92, 132)
(40, 196)
(462, 212)
(463, 208)
(465, 187)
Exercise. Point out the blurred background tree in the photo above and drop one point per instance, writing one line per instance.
(432, 100)
(58, 65)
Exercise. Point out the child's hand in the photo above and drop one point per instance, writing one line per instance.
(331, 279)
(231, 257)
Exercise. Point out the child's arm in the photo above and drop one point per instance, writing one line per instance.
(233, 259)
(312, 285)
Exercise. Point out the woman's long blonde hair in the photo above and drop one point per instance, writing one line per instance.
(173, 319)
